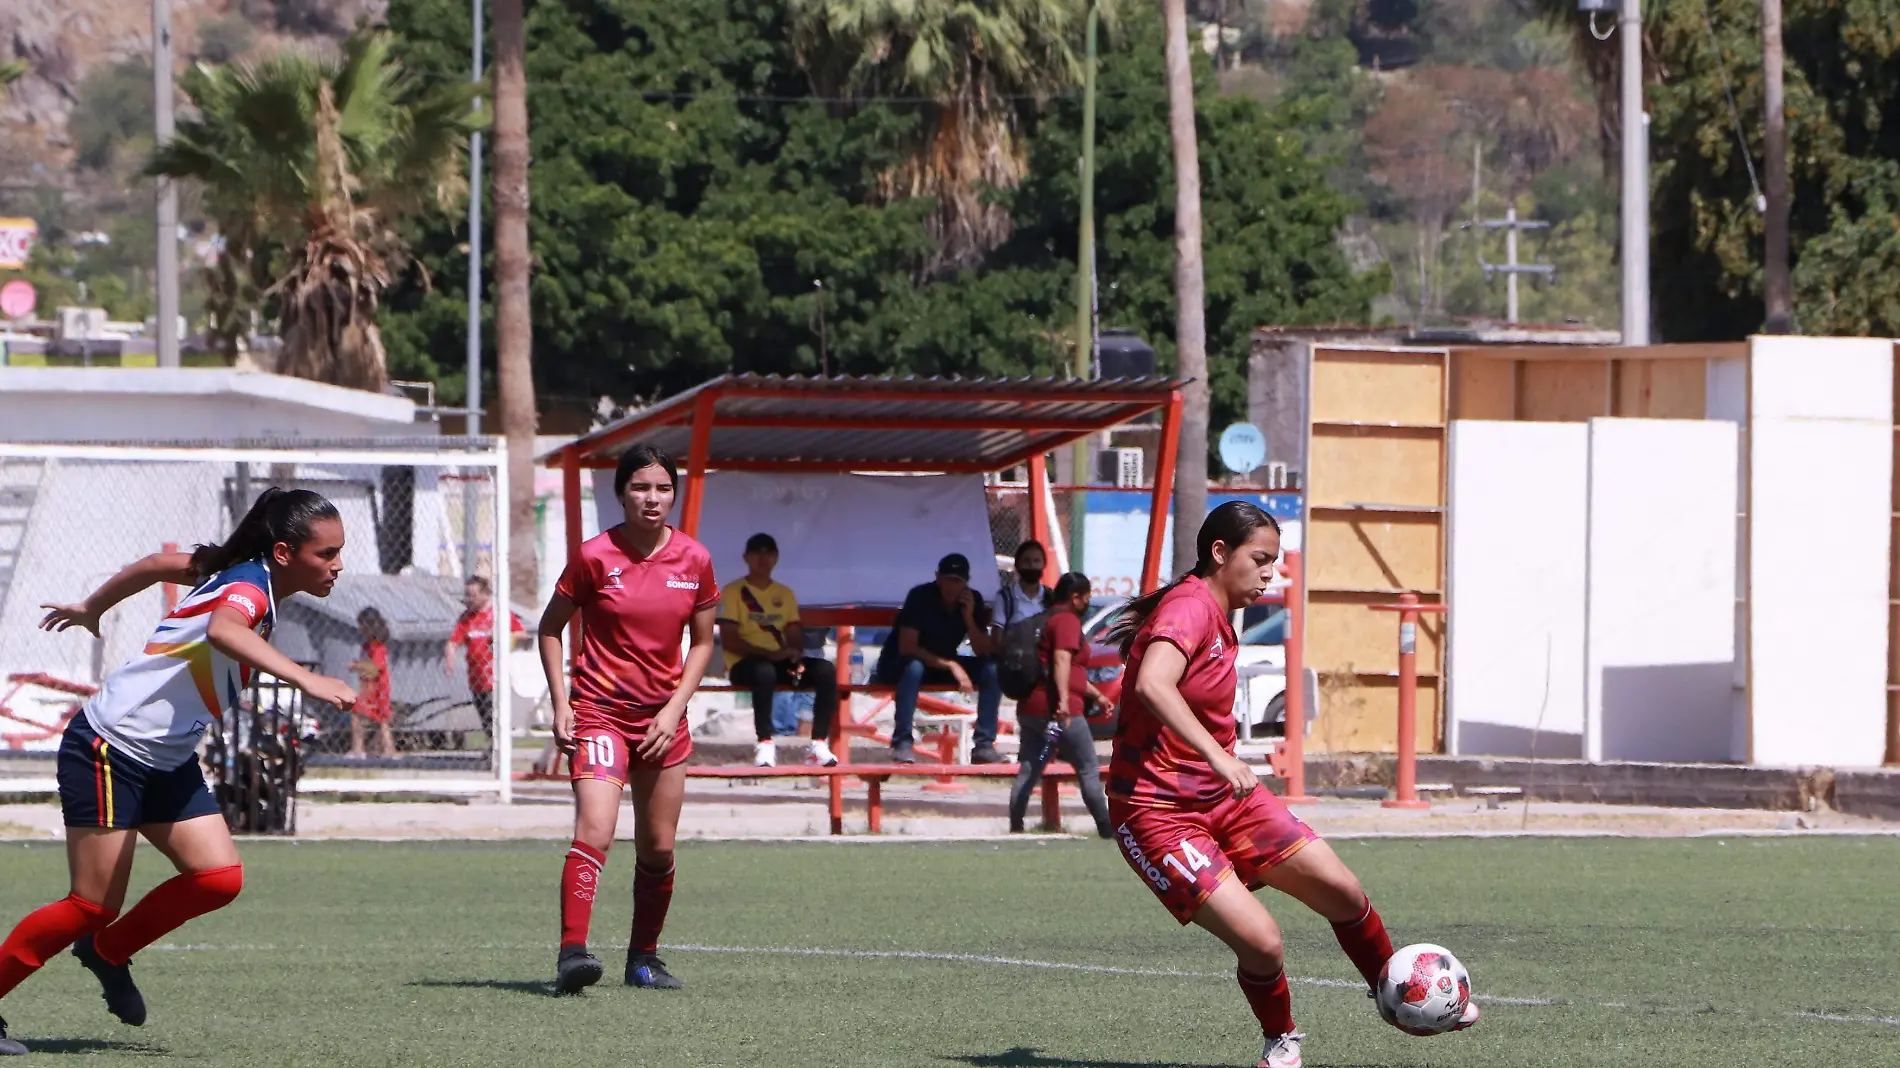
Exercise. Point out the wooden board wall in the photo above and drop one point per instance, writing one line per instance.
(1375, 475)
(1376, 528)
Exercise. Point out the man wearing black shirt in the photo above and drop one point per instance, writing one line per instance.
(936, 619)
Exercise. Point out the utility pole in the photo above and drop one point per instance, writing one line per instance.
(1635, 178)
(1776, 286)
(1510, 268)
(471, 499)
(167, 273)
(1084, 296)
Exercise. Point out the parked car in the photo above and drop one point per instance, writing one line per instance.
(1259, 704)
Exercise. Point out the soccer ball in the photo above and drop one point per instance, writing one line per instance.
(1423, 990)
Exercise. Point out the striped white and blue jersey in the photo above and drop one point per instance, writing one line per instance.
(155, 709)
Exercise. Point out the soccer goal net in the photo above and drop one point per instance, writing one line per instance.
(421, 621)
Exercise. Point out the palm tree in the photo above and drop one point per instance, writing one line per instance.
(514, 339)
(1190, 290)
(971, 70)
(305, 163)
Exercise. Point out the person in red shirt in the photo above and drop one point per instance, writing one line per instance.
(475, 633)
(372, 671)
(1189, 814)
(1059, 702)
(636, 586)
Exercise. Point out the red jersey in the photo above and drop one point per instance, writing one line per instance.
(372, 700)
(475, 631)
(633, 611)
(1062, 630)
(1152, 766)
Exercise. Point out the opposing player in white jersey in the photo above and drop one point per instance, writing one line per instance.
(128, 764)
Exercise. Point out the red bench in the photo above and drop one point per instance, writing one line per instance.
(874, 776)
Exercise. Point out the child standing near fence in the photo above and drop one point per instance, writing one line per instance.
(128, 764)
(372, 697)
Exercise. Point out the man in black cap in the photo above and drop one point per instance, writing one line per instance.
(936, 619)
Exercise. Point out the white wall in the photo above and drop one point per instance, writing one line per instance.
(90, 405)
(1516, 582)
(1660, 656)
(843, 539)
(1819, 525)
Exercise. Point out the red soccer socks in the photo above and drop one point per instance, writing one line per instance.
(167, 908)
(652, 896)
(43, 934)
(1366, 942)
(580, 879)
(1269, 999)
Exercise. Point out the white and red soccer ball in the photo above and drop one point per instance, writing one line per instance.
(1423, 990)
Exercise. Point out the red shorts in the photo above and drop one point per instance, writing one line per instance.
(605, 747)
(1184, 853)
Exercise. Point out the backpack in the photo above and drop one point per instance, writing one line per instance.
(1018, 661)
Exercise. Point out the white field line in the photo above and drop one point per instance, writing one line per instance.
(1107, 969)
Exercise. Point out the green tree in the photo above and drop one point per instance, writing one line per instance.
(306, 164)
(974, 73)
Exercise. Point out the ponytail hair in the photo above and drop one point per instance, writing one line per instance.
(278, 515)
(1068, 586)
(1231, 524)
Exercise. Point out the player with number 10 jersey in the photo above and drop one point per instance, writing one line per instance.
(636, 587)
(1189, 816)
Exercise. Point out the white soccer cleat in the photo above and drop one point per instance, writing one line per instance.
(1470, 1017)
(765, 755)
(1282, 1052)
(820, 755)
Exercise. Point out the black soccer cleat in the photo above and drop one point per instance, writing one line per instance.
(115, 982)
(10, 1047)
(648, 972)
(576, 970)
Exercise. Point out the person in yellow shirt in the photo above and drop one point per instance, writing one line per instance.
(764, 646)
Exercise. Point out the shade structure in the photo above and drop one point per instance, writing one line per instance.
(817, 425)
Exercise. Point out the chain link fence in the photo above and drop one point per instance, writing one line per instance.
(411, 623)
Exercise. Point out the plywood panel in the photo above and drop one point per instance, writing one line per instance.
(1360, 386)
(1342, 634)
(1661, 389)
(1361, 715)
(1373, 551)
(1661, 592)
(1565, 391)
(1482, 387)
(1361, 466)
(1820, 479)
(1519, 518)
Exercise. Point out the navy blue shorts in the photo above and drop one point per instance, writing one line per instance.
(100, 788)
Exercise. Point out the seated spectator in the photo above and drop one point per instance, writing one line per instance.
(475, 633)
(936, 619)
(1022, 595)
(1058, 706)
(764, 646)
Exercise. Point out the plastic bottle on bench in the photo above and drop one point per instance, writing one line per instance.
(859, 676)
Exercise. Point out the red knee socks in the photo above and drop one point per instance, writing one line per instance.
(1269, 999)
(166, 908)
(580, 877)
(652, 896)
(44, 933)
(1366, 942)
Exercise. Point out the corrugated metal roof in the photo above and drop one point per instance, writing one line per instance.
(768, 422)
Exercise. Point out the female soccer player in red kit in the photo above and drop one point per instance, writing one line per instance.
(637, 586)
(128, 764)
(1189, 814)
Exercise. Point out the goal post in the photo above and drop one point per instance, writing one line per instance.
(426, 544)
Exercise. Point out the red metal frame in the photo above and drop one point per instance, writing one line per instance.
(1408, 608)
(1293, 747)
(1163, 487)
(1038, 515)
(698, 452)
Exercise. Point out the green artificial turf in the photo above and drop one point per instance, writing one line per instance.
(439, 954)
